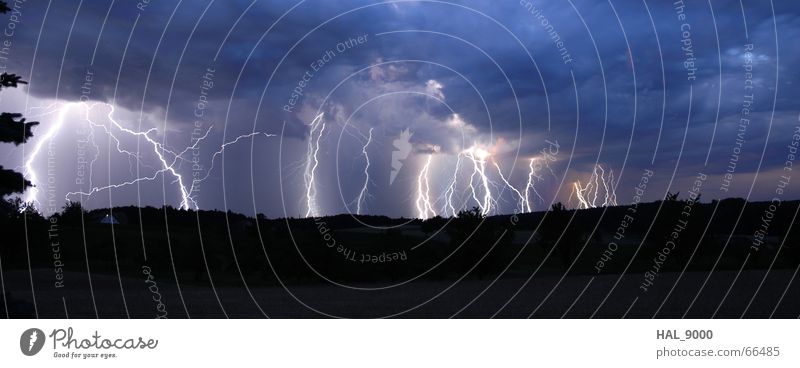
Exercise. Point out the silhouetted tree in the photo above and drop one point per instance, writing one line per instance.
(71, 212)
(11, 80)
(473, 235)
(465, 223)
(556, 235)
(13, 129)
(14, 209)
(671, 197)
(474, 213)
(12, 182)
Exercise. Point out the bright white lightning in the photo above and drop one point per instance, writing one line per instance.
(160, 151)
(522, 200)
(584, 193)
(90, 138)
(587, 195)
(580, 194)
(29, 171)
(448, 194)
(478, 157)
(424, 208)
(596, 185)
(533, 175)
(167, 165)
(471, 185)
(611, 195)
(54, 127)
(317, 127)
(363, 192)
(605, 185)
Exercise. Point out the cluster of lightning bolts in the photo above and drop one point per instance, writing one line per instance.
(478, 190)
(479, 187)
(168, 161)
(481, 191)
(588, 196)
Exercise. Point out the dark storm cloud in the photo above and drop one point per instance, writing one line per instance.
(181, 39)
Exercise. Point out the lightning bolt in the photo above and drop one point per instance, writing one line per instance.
(584, 193)
(448, 194)
(533, 176)
(523, 204)
(168, 159)
(478, 157)
(596, 185)
(54, 128)
(363, 192)
(605, 184)
(611, 195)
(580, 194)
(221, 150)
(30, 171)
(167, 164)
(317, 127)
(167, 167)
(471, 185)
(94, 158)
(159, 151)
(424, 192)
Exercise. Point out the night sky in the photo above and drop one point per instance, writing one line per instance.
(284, 108)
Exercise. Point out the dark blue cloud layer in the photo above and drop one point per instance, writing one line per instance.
(499, 66)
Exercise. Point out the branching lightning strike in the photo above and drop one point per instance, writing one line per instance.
(424, 207)
(221, 150)
(448, 195)
(167, 158)
(364, 193)
(478, 157)
(523, 201)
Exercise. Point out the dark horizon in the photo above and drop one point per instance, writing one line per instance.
(402, 260)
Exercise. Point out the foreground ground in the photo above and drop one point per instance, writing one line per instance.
(542, 297)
